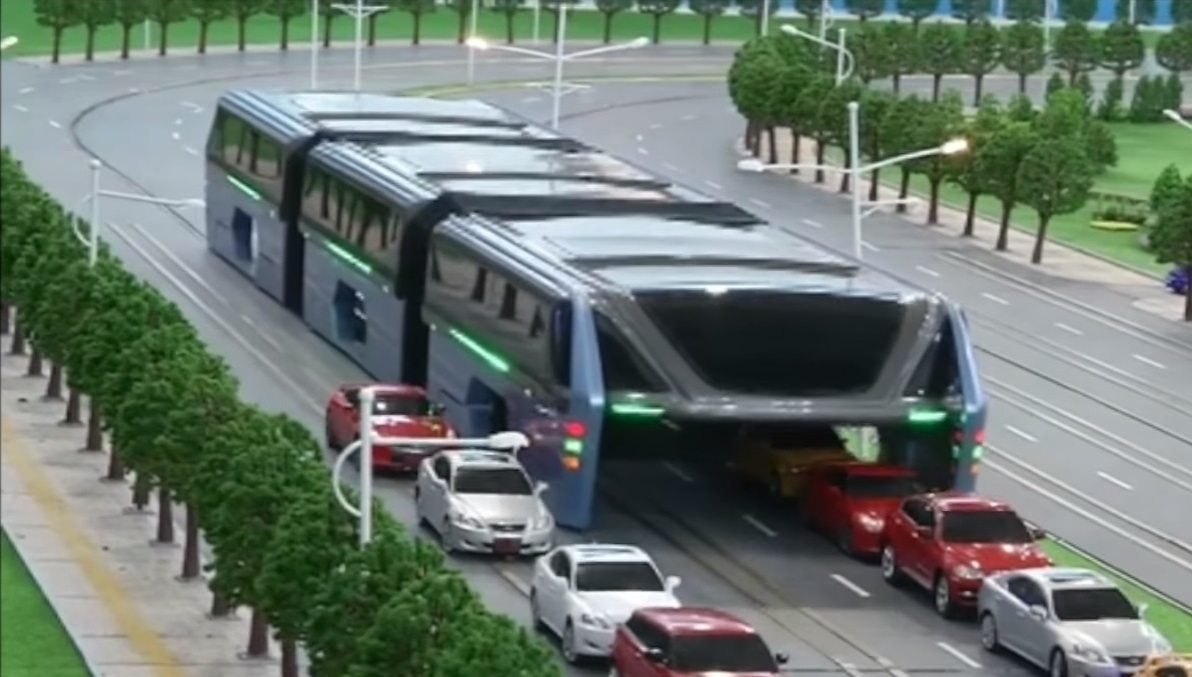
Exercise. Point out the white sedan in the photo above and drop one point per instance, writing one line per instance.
(582, 592)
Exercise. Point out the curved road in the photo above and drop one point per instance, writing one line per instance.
(855, 624)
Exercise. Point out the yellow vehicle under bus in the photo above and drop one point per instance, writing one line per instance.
(1171, 665)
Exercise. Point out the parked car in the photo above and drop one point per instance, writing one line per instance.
(777, 460)
(849, 502)
(398, 411)
(689, 641)
(582, 592)
(949, 542)
(483, 502)
(1068, 621)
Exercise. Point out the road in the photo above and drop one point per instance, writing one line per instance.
(155, 137)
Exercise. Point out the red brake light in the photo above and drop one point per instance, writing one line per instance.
(575, 429)
(979, 436)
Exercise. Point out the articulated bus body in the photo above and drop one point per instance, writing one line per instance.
(534, 283)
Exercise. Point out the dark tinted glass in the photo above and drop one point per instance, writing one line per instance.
(393, 404)
(492, 481)
(728, 653)
(1092, 605)
(778, 343)
(876, 486)
(995, 526)
(605, 576)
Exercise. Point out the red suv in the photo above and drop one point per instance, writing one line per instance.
(948, 543)
(849, 502)
(398, 411)
(690, 641)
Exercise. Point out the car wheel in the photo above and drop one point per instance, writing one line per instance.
(329, 435)
(989, 640)
(844, 541)
(1058, 665)
(446, 537)
(535, 612)
(570, 654)
(942, 593)
(890, 571)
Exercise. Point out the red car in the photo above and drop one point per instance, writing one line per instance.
(690, 641)
(849, 502)
(398, 411)
(948, 543)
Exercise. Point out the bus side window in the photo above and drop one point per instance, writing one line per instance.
(623, 370)
(215, 140)
(560, 344)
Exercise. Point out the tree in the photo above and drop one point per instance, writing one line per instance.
(207, 12)
(875, 106)
(328, 13)
(1055, 178)
(611, 8)
(1023, 51)
(657, 9)
(1181, 12)
(463, 10)
(1122, 48)
(942, 121)
(166, 12)
(92, 14)
(917, 10)
(1148, 100)
(793, 81)
(810, 9)
(751, 9)
(807, 111)
(751, 86)
(371, 21)
(1055, 83)
(1024, 10)
(1171, 235)
(286, 11)
(242, 11)
(509, 9)
(1110, 108)
(1078, 10)
(1084, 85)
(982, 53)
(418, 9)
(905, 53)
(971, 11)
(69, 297)
(552, 7)
(831, 127)
(872, 51)
(1076, 50)
(942, 52)
(865, 9)
(999, 161)
(966, 173)
(484, 643)
(1137, 11)
(1173, 92)
(57, 15)
(898, 132)
(1174, 49)
(1021, 109)
(130, 14)
(1168, 186)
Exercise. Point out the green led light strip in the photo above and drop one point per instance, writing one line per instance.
(244, 187)
(348, 257)
(573, 446)
(630, 409)
(921, 416)
(491, 359)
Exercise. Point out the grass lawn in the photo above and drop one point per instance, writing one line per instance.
(32, 641)
(1174, 623)
(18, 19)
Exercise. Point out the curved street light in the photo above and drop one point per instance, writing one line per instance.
(845, 62)
(1175, 117)
(8, 41)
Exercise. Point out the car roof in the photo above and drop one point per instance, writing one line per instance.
(697, 621)
(583, 553)
(480, 458)
(386, 388)
(958, 502)
(1069, 578)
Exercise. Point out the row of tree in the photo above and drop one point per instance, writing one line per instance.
(254, 484)
(1045, 159)
(1152, 96)
(1170, 233)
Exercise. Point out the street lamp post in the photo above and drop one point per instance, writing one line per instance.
(765, 18)
(314, 44)
(845, 63)
(471, 36)
(509, 441)
(558, 57)
(359, 12)
(1175, 117)
(855, 170)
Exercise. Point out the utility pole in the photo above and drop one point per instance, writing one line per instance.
(359, 12)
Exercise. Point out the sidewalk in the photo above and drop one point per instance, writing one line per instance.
(114, 592)
(1060, 261)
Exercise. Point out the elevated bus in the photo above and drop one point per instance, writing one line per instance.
(532, 282)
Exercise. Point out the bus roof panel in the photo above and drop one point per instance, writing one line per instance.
(547, 187)
(481, 158)
(425, 127)
(349, 104)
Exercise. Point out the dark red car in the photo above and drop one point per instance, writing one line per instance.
(849, 502)
(398, 411)
(690, 642)
(949, 542)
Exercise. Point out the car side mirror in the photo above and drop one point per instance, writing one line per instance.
(655, 655)
(922, 532)
(540, 488)
(1037, 533)
(782, 658)
(435, 409)
(1037, 612)
(673, 583)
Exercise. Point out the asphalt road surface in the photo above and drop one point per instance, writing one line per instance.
(832, 614)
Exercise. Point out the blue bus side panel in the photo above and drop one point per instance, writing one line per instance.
(246, 233)
(975, 402)
(576, 490)
(325, 277)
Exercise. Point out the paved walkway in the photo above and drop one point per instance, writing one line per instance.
(1058, 260)
(115, 593)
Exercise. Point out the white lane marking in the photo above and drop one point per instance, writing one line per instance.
(25, 90)
(866, 245)
(813, 224)
(678, 472)
(121, 73)
(177, 136)
(190, 150)
(643, 151)
(177, 122)
(687, 118)
(268, 339)
(656, 125)
(55, 125)
(761, 203)
(1070, 330)
(639, 138)
(996, 299)
(515, 580)
(1113, 480)
(1026, 436)
(891, 667)
(66, 81)
(530, 99)
(713, 185)
(927, 271)
(134, 90)
(85, 77)
(20, 108)
(194, 107)
(858, 590)
(669, 167)
(1147, 360)
(757, 524)
(958, 655)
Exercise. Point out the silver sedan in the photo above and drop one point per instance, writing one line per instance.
(1072, 622)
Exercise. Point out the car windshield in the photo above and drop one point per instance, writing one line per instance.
(609, 576)
(727, 653)
(878, 486)
(1092, 605)
(396, 404)
(509, 481)
(984, 526)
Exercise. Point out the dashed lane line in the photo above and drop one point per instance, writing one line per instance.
(761, 203)
(19, 108)
(958, 655)
(1071, 330)
(996, 299)
(852, 587)
(1024, 435)
(669, 167)
(713, 185)
(813, 224)
(927, 271)
(1148, 361)
(1114, 481)
(643, 151)
(678, 472)
(759, 525)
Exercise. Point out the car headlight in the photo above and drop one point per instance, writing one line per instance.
(1089, 653)
(542, 522)
(460, 519)
(967, 572)
(595, 621)
(870, 523)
